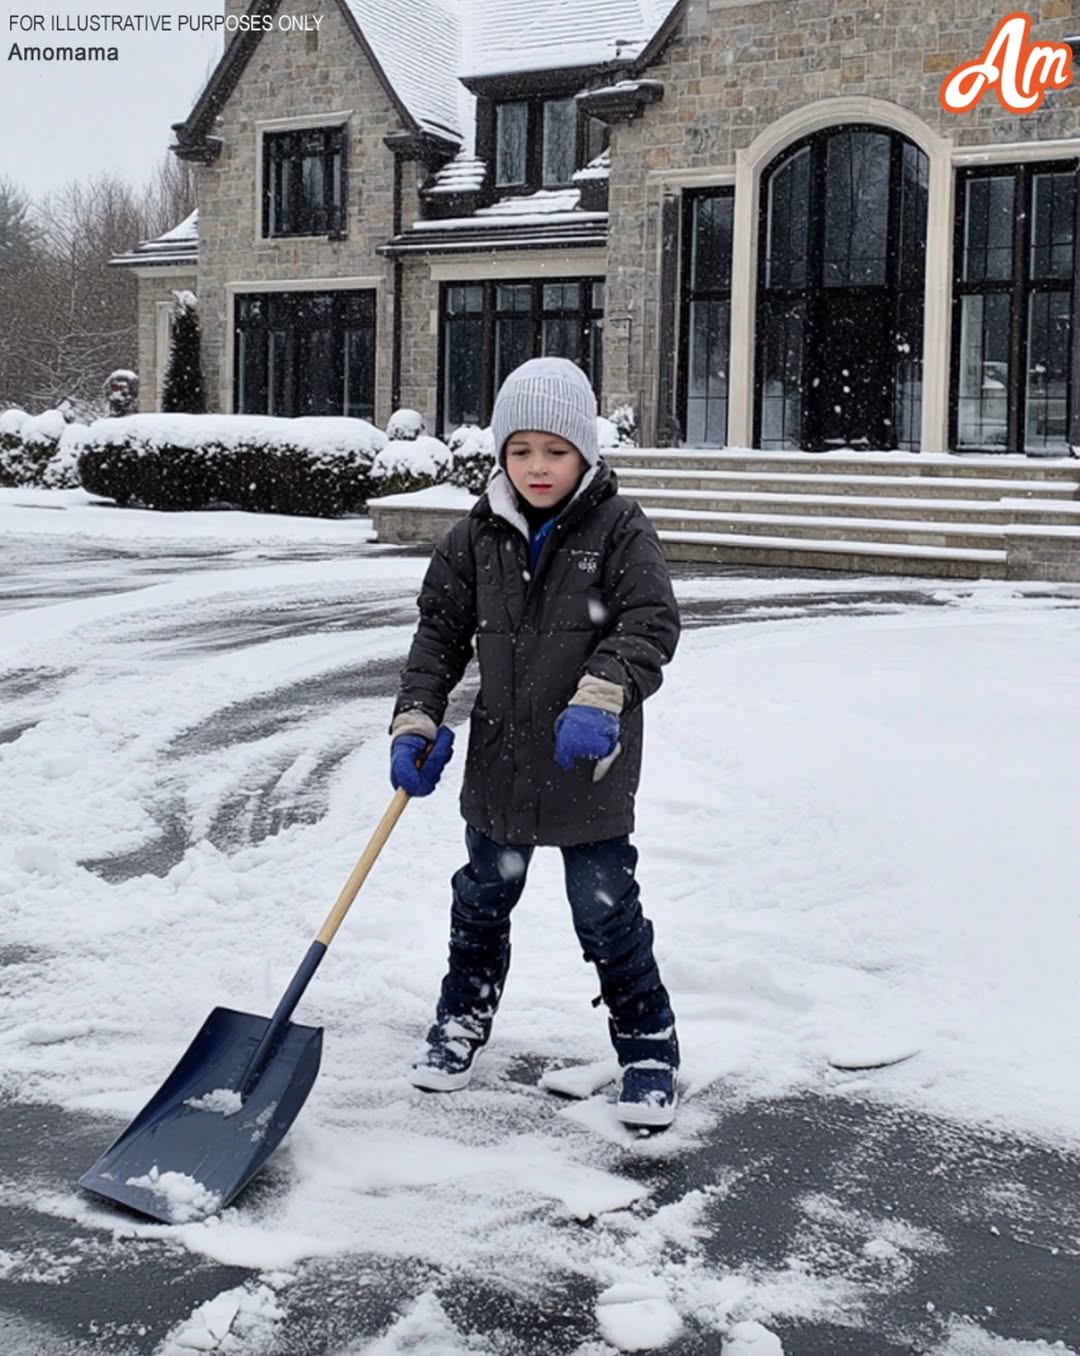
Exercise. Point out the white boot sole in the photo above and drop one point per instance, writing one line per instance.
(435, 1080)
(640, 1115)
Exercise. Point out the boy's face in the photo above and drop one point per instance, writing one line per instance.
(542, 467)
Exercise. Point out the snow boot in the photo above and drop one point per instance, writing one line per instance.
(648, 1094)
(446, 1063)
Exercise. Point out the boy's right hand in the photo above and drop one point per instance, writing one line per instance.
(416, 765)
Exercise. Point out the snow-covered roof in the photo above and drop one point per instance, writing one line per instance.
(177, 246)
(463, 174)
(418, 43)
(552, 218)
(598, 168)
(504, 37)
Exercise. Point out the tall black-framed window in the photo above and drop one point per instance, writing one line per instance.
(705, 329)
(301, 353)
(540, 143)
(841, 278)
(489, 328)
(1014, 307)
(304, 182)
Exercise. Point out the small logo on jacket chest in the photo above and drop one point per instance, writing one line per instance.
(586, 561)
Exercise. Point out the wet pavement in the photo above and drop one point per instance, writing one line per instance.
(995, 1223)
(987, 1225)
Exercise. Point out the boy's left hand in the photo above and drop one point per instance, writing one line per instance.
(584, 732)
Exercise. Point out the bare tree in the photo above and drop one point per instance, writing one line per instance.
(169, 196)
(66, 318)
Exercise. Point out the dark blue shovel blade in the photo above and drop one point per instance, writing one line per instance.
(196, 1144)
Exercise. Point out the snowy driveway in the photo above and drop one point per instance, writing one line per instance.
(856, 828)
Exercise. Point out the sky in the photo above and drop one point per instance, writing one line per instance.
(861, 854)
(61, 120)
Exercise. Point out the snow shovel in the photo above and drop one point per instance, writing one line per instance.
(228, 1103)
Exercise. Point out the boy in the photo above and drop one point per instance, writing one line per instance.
(563, 586)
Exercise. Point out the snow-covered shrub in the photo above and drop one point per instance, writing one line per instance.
(473, 452)
(405, 426)
(318, 466)
(32, 452)
(623, 419)
(403, 467)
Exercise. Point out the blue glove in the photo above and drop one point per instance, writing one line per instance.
(584, 732)
(408, 750)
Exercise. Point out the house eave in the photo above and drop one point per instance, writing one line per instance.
(518, 84)
(622, 102)
(497, 239)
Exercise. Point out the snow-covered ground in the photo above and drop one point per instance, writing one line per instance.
(856, 846)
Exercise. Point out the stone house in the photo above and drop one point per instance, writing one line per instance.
(756, 222)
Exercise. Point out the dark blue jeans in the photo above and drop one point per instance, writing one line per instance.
(614, 934)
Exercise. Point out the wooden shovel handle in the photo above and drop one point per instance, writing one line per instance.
(352, 886)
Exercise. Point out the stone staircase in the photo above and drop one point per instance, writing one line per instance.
(890, 513)
(886, 513)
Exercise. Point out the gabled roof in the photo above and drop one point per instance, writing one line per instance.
(421, 83)
(417, 43)
(423, 49)
(506, 37)
(178, 246)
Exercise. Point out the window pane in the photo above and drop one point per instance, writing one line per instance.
(513, 297)
(914, 195)
(359, 377)
(710, 243)
(706, 406)
(856, 209)
(460, 300)
(781, 390)
(788, 216)
(561, 338)
(599, 296)
(1053, 199)
(988, 228)
(513, 344)
(279, 374)
(463, 339)
(982, 403)
(1046, 406)
(562, 296)
(560, 140)
(907, 372)
(511, 138)
(597, 138)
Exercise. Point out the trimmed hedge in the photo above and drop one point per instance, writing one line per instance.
(311, 466)
(39, 450)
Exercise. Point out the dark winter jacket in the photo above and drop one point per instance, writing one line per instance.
(598, 602)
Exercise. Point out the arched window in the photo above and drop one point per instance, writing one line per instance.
(840, 292)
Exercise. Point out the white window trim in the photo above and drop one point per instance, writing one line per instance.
(937, 305)
(288, 285)
(297, 123)
(535, 264)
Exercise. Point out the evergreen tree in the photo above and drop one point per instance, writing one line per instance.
(183, 391)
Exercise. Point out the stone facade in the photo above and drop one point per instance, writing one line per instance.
(294, 75)
(734, 72)
(741, 81)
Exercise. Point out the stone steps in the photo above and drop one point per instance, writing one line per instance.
(635, 480)
(991, 511)
(920, 466)
(885, 513)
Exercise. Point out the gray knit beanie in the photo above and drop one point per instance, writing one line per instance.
(547, 395)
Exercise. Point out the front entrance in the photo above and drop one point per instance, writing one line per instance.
(840, 292)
